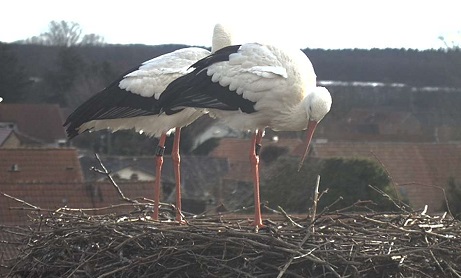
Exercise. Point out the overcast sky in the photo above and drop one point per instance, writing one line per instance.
(314, 24)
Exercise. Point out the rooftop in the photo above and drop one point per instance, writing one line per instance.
(40, 165)
(41, 121)
(420, 170)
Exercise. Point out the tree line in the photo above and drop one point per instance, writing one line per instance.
(439, 68)
(77, 65)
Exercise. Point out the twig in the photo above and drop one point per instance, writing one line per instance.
(400, 206)
(327, 208)
(311, 226)
(292, 222)
(285, 267)
(315, 203)
(444, 195)
(105, 172)
(432, 254)
(454, 271)
(394, 185)
(21, 201)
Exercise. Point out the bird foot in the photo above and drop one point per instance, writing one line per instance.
(181, 221)
(180, 217)
(258, 224)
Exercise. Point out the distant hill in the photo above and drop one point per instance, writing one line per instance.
(378, 94)
(417, 68)
(37, 59)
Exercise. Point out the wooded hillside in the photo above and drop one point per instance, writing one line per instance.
(418, 68)
(70, 75)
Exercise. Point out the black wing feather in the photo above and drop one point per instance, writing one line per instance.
(196, 89)
(110, 103)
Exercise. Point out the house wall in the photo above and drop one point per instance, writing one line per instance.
(11, 142)
(127, 174)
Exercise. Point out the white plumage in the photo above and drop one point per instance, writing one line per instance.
(131, 103)
(252, 87)
(275, 81)
(150, 80)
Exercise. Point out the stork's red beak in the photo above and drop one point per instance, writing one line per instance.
(310, 132)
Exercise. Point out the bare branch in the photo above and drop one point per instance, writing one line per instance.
(21, 201)
(105, 172)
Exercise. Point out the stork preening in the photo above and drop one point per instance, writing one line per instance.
(253, 87)
(131, 102)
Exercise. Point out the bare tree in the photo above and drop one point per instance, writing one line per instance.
(453, 42)
(65, 34)
(92, 39)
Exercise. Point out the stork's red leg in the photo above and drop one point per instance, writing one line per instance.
(177, 172)
(254, 159)
(158, 174)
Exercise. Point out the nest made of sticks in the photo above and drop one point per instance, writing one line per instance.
(73, 243)
(127, 243)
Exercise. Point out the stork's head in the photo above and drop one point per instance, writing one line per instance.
(318, 104)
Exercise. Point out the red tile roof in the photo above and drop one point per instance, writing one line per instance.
(236, 150)
(40, 165)
(41, 121)
(418, 169)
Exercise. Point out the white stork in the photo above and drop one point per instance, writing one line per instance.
(130, 102)
(251, 87)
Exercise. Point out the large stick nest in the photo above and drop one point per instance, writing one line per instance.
(73, 243)
(127, 243)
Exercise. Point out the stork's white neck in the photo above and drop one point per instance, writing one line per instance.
(221, 37)
(294, 119)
